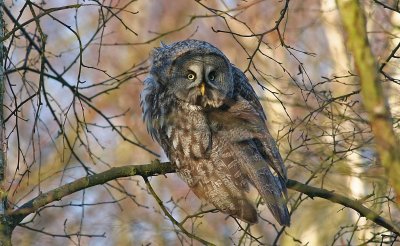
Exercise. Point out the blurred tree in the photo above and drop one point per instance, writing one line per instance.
(71, 123)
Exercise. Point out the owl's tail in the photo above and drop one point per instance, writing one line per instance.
(271, 190)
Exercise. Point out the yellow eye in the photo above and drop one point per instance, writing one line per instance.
(191, 76)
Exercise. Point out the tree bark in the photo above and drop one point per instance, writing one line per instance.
(156, 168)
(374, 100)
(5, 229)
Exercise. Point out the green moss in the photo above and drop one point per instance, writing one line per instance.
(374, 101)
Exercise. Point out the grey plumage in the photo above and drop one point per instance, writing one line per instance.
(207, 118)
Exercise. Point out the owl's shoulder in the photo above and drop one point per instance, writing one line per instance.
(244, 89)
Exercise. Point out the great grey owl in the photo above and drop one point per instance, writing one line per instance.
(206, 116)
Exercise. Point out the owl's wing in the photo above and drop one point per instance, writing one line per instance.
(149, 104)
(244, 89)
(268, 146)
(262, 149)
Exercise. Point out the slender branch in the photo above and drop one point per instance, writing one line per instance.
(374, 100)
(44, 13)
(157, 168)
(170, 217)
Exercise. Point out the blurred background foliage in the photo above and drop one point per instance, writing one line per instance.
(74, 74)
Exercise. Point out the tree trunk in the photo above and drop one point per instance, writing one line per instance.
(5, 228)
(374, 99)
(5, 232)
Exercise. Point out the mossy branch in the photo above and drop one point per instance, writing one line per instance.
(157, 168)
(374, 100)
(345, 201)
(152, 169)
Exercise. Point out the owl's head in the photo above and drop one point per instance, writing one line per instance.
(193, 71)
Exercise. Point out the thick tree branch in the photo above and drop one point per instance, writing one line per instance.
(153, 169)
(345, 201)
(374, 100)
(157, 168)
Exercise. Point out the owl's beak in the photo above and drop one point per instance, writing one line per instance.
(202, 88)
